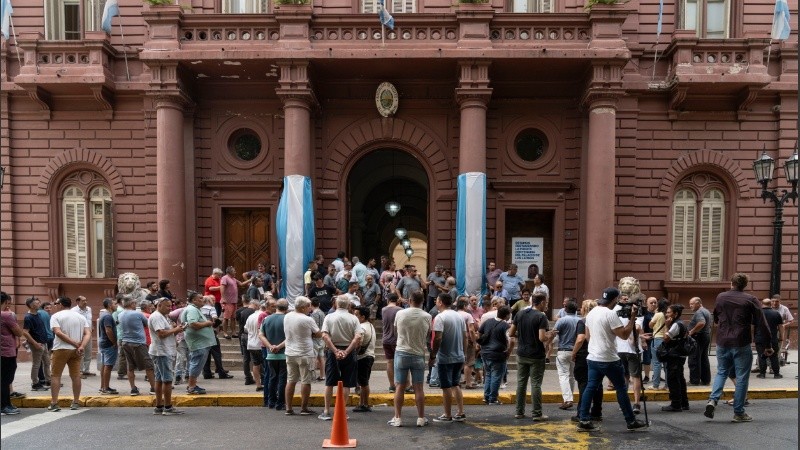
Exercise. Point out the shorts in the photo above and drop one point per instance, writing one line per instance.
(388, 351)
(68, 358)
(228, 310)
(197, 359)
(164, 366)
(631, 363)
(257, 358)
(405, 362)
(298, 368)
(109, 356)
(450, 374)
(470, 355)
(344, 370)
(319, 348)
(365, 370)
(478, 362)
(136, 356)
(647, 355)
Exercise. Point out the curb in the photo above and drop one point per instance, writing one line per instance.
(431, 399)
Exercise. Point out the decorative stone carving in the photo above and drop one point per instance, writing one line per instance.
(128, 284)
(629, 286)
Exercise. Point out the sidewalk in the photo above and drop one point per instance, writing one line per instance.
(233, 392)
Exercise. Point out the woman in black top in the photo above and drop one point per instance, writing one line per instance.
(494, 353)
(676, 382)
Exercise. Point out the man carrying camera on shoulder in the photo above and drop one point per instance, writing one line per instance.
(603, 325)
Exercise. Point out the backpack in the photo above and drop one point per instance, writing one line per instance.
(686, 345)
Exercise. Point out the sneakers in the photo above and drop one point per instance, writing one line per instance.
(761, 375)
(54, 407)
(152, 391)
(306, 412)
(540, 418)
(134, 391)
(362, 408)
(421, 421)
(637, 409)
(9, 411)
(197, 390)
(503, 386)
(75, 406)
(777, 375)
(576, 418)
(566, 405)
(171, 411)
(709, 412)
(460, 417)
(249, 381)
(587, 427)
(225, 376)
(637, 424)
(109, 391)
(442, 418)
(178, 380)
(670, 408)
(16, 394)
(393, 422)
(494, 402)
(392, 389)
(39, 387)
(158, 410)
(325, 416)
(743, 417)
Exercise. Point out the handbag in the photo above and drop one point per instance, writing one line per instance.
(662, 352)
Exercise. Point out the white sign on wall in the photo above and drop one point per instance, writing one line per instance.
(528, 254)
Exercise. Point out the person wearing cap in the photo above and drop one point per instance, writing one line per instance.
(163, 350)
(72, 333)
(603, 325)
(40, 358)
(85, 310)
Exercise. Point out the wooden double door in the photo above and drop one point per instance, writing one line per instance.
(246, 238)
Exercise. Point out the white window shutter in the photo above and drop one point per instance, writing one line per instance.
(545, 6)
(369, 6)
(108, 240)
(404, 6)
(683, 232)
(712, 225)
(75, 255)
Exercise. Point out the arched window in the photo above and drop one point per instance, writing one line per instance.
(87, 227)
(698, 230)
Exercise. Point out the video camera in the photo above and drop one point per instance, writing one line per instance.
(627, 305)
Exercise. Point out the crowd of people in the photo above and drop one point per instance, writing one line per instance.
(461, 341)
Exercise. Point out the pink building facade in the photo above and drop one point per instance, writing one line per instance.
(160, 148)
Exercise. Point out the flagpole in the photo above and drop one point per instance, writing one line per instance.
(16, 44)
(655, 58)
(124, 50)
(769, 52)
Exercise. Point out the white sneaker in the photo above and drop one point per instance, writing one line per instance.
(503, 386)
(422, 421)
(395, 422)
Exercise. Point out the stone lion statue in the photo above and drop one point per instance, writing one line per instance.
(629, 286)
(128, 284)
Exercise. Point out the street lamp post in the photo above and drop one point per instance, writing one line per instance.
(763, 168)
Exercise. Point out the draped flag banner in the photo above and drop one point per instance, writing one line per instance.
(660, 17)
(5, 15)
(471, 234)
(295, 228)
(111, 9)
(780, 22)
(384, 16)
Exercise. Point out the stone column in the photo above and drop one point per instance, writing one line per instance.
(472, 94)
(170, 192)
(298, 100)
(598, 188)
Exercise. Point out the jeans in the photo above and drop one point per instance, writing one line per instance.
(494, 374)
(656, 364)
(533, 369)
(699, 366)
(774, 360)
(676, 382)
(265, 374)
(582, 377)
(566, 379)
(182, 360)
(616, 374)
(276, 390)
(730, 360)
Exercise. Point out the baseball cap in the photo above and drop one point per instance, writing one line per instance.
(610, 294)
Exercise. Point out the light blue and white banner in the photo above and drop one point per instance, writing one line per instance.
(110, 10)
(384, 16)
(471, 234)
(780, 22)
(5, 16)
(295, 228)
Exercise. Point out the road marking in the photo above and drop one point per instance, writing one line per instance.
(29, 423)
(555, 435)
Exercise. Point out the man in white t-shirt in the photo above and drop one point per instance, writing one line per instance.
(71, 336)
(629, 354)
(603, 326)
(300, 329)
(163, 351)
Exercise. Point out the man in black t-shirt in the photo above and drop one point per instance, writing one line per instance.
(530, 329)
(323, 293)
(34, 325)
(241, 315)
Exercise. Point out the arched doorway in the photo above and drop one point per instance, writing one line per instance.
(380, 176)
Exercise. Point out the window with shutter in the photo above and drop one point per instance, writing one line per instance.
(369, 6)
(683, 232)
(404, 6)
(75, 257)
(532, 6)
(245, 6)
(100, 202)
(709, 18)
(93, 13)
(62, 19)
(711, 235)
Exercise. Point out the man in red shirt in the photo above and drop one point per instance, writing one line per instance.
(212, 288)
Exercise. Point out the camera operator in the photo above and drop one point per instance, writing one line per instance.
(629, 349)
(602, 326)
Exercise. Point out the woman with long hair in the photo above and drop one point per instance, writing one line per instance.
(676, 382)
(658, 324)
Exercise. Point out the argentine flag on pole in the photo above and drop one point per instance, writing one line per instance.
(384, 16)
(111, 10)
(5, 14)
(295, 229)
(780, 23)
(471, 234)
(660, 17)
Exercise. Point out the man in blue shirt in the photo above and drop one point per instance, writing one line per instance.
(41, 356)
(567, 327)
(512, 283)
(134, 344)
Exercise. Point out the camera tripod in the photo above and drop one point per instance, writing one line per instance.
(642, 393)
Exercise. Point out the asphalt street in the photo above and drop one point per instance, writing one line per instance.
(774, 427)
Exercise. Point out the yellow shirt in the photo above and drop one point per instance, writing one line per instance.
(656, 323)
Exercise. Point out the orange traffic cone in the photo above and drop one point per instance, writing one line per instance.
(339, 435)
